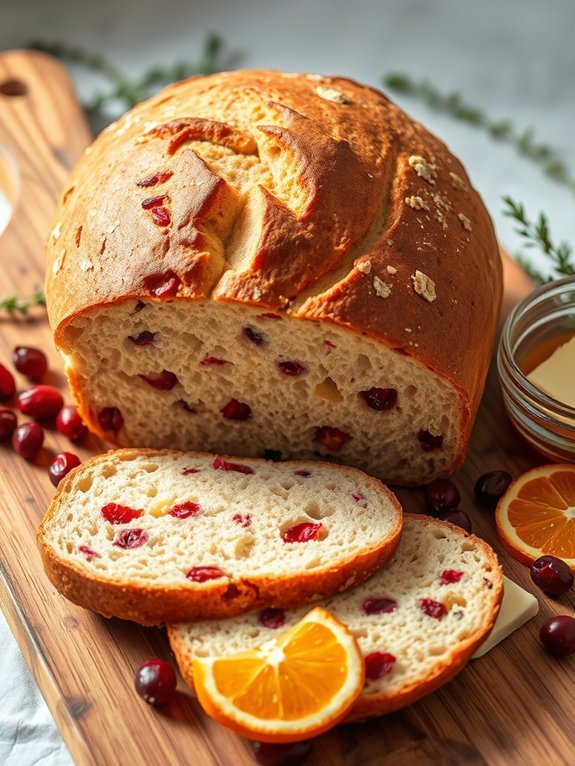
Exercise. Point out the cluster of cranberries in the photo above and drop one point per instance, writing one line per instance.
(41, 403)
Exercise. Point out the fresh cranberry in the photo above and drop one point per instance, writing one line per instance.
(188, 471)
(202, 574)
(301, 533)
(111, 419)
(145, 338)
(61, 466)
(235, 410)
(331, 438)
(40, 402)
(458, 518)
(131, 538)
(27, 440)
(157, 178)
(272, 618)
(558, 635)
(242, 520)
(378, 664)
(151, 202)
(379, 605)
(185, 510)
(302, 472)
(31, 362)
(432, 608)
(222, 465)
(292, 369)
(552, 575)
(163, 381)
(358, 496)
(441, 495)
(379, 398)
(450, 576)
(7, 383)
(273, 754)
(8, 422)
(156, 682)
(163, 285)
(428, 441)
(213, 361)
(490, 487)
(161, 216)
(253, 335)
(70, 424)
(88, 553)
(120, 514)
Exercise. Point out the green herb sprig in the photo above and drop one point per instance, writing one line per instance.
(453, 104)
(14, 305)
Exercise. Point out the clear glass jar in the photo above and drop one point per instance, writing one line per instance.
(542, 320)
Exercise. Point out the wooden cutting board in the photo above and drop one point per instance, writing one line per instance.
(512, 706)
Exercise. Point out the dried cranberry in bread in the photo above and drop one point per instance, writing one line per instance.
(166, 536)
(257, 260)
(417, 621)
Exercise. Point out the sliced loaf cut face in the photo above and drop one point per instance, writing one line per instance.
(165, 536)
(417, 621)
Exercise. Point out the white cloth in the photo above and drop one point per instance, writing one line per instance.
(515, 59)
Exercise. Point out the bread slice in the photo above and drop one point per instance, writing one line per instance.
(168, 536)
(295, 230)
(417, 621)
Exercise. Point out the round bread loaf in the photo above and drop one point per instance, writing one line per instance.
(262, 261)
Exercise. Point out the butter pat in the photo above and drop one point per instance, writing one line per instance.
(517, 608)
(555, 376)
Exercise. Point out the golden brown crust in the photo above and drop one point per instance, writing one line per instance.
(155, 605)
(363, 198)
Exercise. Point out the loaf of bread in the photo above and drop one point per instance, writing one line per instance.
(257, 261)
(417, 621)
(165, 537)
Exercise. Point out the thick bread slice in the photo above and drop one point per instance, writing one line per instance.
(428, 650)
(295, 230)
(193, 512)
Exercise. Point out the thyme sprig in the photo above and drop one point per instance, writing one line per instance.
(14, 305)
(525, 142)
(536, 234)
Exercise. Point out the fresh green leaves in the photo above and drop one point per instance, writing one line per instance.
(18, 306)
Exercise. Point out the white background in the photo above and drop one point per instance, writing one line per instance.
(514, 58)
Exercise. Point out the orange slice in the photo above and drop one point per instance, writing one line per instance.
(536, 516)
(291, 688)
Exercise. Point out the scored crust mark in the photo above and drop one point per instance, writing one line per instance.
(465, 222)
(424, 286)
(423, 168)
(417, 203)
(382, 289)
(187, 129)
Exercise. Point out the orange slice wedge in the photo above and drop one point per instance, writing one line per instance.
(291, 688)
(536, 516)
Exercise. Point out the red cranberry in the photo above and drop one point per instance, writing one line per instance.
(302, 472)
(120, 514)
(131, 538)
(242, 520)
(163, 381)
(31, 362)
(111, 419)
(161, 216)
(272, 618)
(156, 682)
(61, 466)
(202, 574)
(441, 495)
(222, 465)
(558, 635)
(145, 338)
(378, 664)
(40, 402)
(235, 410)
(7, 383)
(292, 369)
(379, 605)
(432, 608)
(358, 496)
(329, 344)
(70, 424)
(301, 533)
(273, 754)
(151, 202)
(552, 575)
(185, 510)
(163, 285)
(490, 487)
(331, 438)
(450, 576)
(213, 361)
(428, 441)
(188, 471)
(379, 398)
(459, 518)
(8, 422)
(27, 440)
(253, 335)
(88, 552)
(192, 409)
(157, 178)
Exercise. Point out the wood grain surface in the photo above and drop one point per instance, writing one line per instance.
(513, 706)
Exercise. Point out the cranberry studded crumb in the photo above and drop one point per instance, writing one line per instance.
(30, 362)
(144, 338)
(253, 335)
(70, 424)
(203, 574)
(27, 440)
(301, 533)
(162, 381)
(291, 368)
(156, 682)
(7, 384)
(111, 419)
(223, 465)
(213, 361)
(272, 618)
(380, 398)
(379, 605)
(61, 466)
(242, 519)
(428, 441)
(89, 554)
(114, 513)
(235, 410)
(378, 664)
(131, 538)
(303, 473)
(450, 576)
(432, 608)
(332, 439)
(185, 510)
(188, 471)
(40, 402)
(158, 178)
